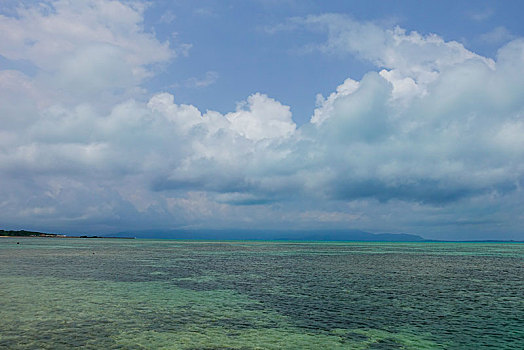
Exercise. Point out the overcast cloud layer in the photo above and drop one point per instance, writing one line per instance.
(431, 142)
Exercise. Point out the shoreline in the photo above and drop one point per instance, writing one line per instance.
(61, 236)
(189, 240)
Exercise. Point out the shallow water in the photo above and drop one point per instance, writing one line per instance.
(105, 293)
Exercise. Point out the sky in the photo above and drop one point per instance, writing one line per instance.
(383, 116)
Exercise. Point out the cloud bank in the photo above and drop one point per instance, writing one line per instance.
(429, 143)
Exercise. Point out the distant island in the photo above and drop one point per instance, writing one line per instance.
(274, 235)
(24, 233)
(334, 235)
(238, 234)
(311, 235)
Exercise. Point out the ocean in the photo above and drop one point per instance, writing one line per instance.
(141, 294)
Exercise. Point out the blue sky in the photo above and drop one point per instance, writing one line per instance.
(233, 41)
(385, 116)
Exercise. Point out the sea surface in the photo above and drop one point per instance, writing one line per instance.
(140, 294)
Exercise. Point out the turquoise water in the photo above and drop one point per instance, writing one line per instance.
(139, 294)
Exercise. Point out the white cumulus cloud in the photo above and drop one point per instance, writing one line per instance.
(432, 137)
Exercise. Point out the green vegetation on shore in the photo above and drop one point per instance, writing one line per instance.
(24, 233)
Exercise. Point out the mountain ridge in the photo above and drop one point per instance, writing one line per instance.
(278, 235)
